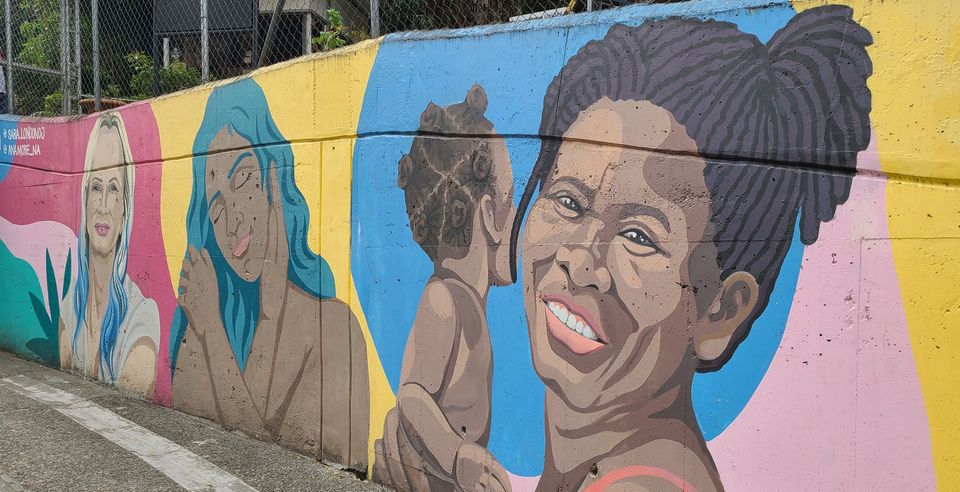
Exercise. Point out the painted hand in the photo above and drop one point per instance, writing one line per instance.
(477, 470)
(198, 288)
(273, 280)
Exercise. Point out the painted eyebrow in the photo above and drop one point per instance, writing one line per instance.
(576, 183)
(634, 209)
(236, 163)
(215, 196)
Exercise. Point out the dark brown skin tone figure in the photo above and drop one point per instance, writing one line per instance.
(613, 244)
(443, 403)
(307, 353)
(661, 217)
(660, 226)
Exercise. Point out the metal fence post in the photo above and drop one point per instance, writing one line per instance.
(95, 28)
(375, 18)
(76, 48)
(255, 35)
(271, 33)
(9, 53)
(204, 42)
(64, 59)
(589, 5)
(307, 33)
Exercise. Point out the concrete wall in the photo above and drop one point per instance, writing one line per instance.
(735, 254)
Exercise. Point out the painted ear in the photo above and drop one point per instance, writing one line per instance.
(404, 171)
(488, 215)
(735, 302)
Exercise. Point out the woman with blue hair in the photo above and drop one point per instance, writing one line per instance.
(260, 341)
(108, 330)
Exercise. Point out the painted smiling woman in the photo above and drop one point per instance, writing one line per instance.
(108, 330)
(260, 343)
(663, 216)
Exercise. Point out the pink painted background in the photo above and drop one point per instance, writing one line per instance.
(42, 193)
(840, 406)
(147, 262)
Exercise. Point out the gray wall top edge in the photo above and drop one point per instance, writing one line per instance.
(692, 8)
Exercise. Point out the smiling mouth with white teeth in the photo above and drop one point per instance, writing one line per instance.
(568, 324)
(572, 321)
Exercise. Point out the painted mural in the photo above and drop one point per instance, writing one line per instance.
(709, 245)
(107, 329)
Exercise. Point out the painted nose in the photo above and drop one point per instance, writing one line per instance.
(237, 220)
(582, 266)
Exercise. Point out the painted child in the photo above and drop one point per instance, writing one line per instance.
(459, 197)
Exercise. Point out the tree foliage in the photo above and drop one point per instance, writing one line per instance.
(174, 77)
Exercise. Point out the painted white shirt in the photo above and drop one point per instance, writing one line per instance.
(142, 321)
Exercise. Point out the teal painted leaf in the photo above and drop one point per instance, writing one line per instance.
(47, 352)
(52, 299)
(66, 275)
(40, 310)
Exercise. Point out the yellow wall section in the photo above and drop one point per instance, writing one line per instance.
(178, 119)
(916, 115)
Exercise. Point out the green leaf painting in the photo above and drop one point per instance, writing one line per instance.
(47, 348)
(18, 319)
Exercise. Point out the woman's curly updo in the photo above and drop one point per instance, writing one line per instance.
(778, 124)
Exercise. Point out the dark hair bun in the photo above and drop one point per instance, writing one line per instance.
(482, 162)
(477, 99)
(431, 118)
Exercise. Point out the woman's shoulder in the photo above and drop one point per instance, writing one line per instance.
(143, 316)
(68, 315)
(302, 311)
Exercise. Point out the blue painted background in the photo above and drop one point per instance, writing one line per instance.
(8, 126)
(514, 63)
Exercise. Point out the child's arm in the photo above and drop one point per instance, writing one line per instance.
(426, 360)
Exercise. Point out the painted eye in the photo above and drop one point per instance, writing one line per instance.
(637, 236)
(113, 188)
(569, 203)
(96, 187)
(644, 246)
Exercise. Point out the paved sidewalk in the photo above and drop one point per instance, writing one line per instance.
(59, 432)
(8, 484)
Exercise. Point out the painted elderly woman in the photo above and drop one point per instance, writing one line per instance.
(260, 342)
(108, 330)
(663, 217)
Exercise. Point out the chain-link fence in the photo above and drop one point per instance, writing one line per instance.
(73, 56)
(42, 64)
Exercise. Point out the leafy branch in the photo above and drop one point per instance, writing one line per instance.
(337, 34)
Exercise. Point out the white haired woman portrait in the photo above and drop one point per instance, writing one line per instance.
(108, 330)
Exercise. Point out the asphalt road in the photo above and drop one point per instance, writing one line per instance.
(59, 432)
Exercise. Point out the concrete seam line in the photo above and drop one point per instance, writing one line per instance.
(181, 465)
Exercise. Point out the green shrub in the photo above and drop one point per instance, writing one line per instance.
(176, 76)
(52, 104)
